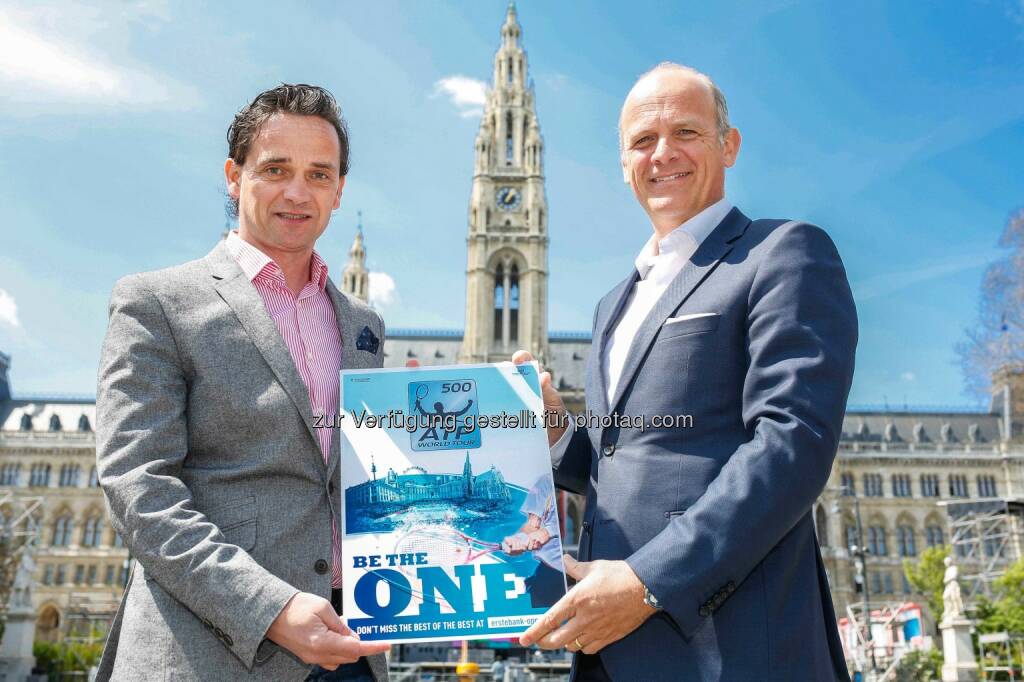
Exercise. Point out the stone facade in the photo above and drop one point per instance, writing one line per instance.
(48, 449)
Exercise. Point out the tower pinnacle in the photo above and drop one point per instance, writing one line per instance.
(506, 272)
(355, 278)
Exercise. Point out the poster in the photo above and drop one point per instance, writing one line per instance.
(449, 515)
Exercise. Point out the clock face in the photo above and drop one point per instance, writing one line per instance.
(508, 198)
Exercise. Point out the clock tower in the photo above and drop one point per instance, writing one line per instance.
(507, 245)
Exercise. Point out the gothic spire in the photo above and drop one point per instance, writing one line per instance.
(355, 278)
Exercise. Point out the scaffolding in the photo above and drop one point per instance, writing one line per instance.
(985, 538)
(19, 535)
(896, 629)
(996, 653)
(89, 615)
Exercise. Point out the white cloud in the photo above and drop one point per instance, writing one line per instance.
(467, 94)
(382, 289)
(907, 376)
(45, 65)
(555, 81)
(8, 309)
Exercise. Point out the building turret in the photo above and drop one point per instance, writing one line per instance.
(1008, 401)
(355, 278)
(5, 381)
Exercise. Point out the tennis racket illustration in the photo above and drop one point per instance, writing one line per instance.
(444, 546)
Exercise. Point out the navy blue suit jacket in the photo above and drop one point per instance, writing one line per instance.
(715, 519)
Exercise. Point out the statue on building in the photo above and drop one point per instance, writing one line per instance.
(952, 601)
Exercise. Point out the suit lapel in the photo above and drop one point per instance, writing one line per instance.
(351, 321)
(240, 294)
(704, 260)
(606, 317)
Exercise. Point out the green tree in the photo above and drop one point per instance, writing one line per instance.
(1006, 611)
(926, 576)
(920, 666)
(64, 657)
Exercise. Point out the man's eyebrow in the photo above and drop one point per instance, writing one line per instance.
(323, 164)
(275, 159)
(637, 132)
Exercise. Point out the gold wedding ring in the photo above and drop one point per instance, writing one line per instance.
(579, 647)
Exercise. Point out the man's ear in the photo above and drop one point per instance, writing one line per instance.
(625, 168)
(341, 186)
(731, 148)
(232, 177)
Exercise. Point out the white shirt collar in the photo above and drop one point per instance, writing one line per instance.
(694, 231)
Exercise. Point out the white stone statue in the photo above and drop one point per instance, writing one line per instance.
(952, 601)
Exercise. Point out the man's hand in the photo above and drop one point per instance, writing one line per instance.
(555, 417)
(514, 545)
(309, 628)
(605, 605)
(537, 539)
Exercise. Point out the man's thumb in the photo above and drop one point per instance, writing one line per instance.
(332, 620)
(577, 570)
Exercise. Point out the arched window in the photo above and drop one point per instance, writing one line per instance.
(499, 300)
(83, 423)
(513, 304)
(876, 541)
(92, 535)
(851, 536)
(506, 304)
(62, 530)
(26, 422)
(508, 139)
(905, 538)
(69, 476)
(10, 473)
(55, 424)
(40, 475)
(48, 624)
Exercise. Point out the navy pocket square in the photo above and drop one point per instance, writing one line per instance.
(367, 341)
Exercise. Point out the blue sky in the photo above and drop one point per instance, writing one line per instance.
(899, 127)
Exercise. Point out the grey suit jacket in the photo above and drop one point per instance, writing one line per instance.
(207, 454)
(715, 519)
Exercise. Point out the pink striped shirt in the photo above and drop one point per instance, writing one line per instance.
(309, 328)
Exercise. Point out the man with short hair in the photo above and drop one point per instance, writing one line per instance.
(698, 556)
(211, 378)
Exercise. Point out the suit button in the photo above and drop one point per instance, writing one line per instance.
(321, 566)
(331, 487)
(227, 640)
(730, 587)
(704, 612)
(608, 450)
(586, 526)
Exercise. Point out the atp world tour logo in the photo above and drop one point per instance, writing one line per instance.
(447, 414)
